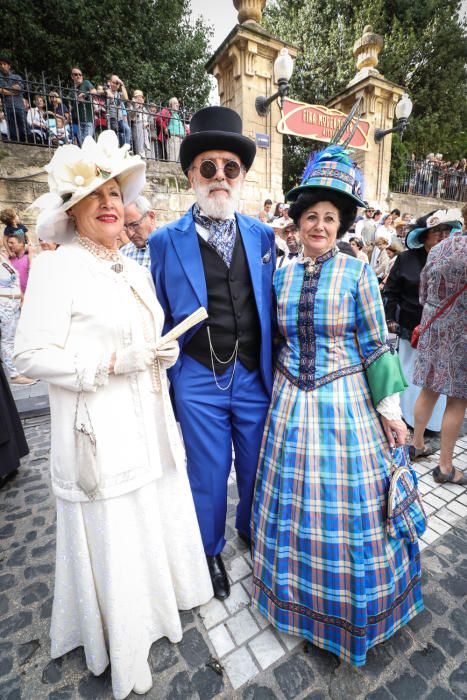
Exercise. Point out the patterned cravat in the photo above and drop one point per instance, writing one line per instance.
(221, 234)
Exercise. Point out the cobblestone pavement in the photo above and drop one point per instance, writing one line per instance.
(228, 650)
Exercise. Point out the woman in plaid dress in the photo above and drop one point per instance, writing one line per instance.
(324, 567)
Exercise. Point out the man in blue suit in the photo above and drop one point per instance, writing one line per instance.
(222, 381)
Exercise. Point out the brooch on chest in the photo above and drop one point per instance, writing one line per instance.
(310, 266)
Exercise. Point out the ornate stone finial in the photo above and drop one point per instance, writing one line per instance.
(249, 10)
(366, 49)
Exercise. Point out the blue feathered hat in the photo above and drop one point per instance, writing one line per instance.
(331, 169)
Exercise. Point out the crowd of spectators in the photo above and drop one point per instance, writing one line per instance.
(436, 177)
(49, 115)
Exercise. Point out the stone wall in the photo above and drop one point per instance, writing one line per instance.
(418, 205)
(22, 179)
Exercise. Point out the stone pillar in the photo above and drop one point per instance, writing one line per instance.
(243, 67)
(380, 97)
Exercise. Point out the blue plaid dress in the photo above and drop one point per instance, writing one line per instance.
(324, 567)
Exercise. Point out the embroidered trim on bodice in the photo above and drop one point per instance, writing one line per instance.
(306, 380)
(305, 320)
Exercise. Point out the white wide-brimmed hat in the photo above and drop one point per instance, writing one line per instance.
(441, 217)
(76, 172)
(282, 222)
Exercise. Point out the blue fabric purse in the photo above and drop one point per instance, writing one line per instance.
(406, 518)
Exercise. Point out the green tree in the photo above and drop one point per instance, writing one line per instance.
(425, 51)
(150, 44)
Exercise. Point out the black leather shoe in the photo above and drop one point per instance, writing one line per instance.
(220, 582)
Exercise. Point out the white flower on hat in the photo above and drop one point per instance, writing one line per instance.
(73, 170)
(69, 171)
(105, 152)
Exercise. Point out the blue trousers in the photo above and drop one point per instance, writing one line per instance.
(211, 420)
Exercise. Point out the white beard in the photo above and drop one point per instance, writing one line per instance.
(218, 207)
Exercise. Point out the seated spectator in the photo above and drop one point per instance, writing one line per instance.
(267, 209)
(177, 130)
(356, 243)
(13, 225)
(99, 105)
(11, 86)
(20, 258)
(58, 116)
(37, 120)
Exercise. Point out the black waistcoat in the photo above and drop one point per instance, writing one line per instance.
(231, 308)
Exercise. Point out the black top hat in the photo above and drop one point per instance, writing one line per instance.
(214, 128)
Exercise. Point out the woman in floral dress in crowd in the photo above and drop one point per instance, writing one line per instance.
(441, 362)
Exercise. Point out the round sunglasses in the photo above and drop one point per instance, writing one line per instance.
(208, 169)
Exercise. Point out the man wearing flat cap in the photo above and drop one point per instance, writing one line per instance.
(222, 260)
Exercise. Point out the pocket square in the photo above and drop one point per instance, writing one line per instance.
(266, 257)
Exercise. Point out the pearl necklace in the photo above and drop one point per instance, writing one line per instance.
(99, 251)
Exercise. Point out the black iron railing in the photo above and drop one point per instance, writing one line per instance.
(48, 115)
(431, 179)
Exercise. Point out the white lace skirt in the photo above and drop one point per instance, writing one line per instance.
(124, 568)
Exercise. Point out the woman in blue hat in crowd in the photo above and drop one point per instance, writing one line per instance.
(324, 566)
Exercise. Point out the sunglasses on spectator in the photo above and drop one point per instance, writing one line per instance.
(208, 169)
(441, 229)
(76, 74)
(134, 226)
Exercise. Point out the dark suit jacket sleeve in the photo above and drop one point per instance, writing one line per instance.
(392, 291)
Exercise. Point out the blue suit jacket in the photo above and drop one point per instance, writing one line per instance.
(178, 274)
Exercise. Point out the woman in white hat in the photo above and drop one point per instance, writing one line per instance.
(129, 552)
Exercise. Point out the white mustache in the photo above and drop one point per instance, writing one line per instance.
(219, 186)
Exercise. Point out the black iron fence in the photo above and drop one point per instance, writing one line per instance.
(431, 179)
(49, 115)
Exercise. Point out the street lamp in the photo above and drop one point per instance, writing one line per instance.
(283, 69)
(403, 112)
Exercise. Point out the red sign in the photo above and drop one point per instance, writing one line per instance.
(320, 123)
